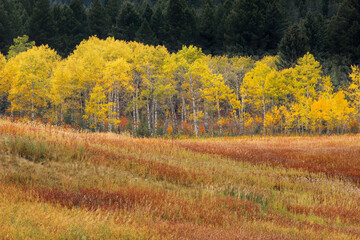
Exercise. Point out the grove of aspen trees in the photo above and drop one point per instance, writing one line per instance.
(120, 86)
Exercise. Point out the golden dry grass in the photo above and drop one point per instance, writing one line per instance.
(58, 184)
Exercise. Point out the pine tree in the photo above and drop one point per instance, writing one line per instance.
(175, 18)
(145, 34)
(18, 18)
(207, 29)
(146, 11)
(157, 23)
(345, 31)
(28, 5)
(244, 27)
(293, 45)
(98, 20)
(112, 9)
(221, 14)
(128, 22)
(65, 25)
(80, 30)
(275, 23)
(191, 28)
(42, 27)
(315, 31)
(4, 28)
(325, 7)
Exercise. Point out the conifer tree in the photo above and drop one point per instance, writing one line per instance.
(293, 45)
(146, 11)
(98, 19)
(128, 22)
(175, 18)
(65, 25)
(112, 9)
(207, 28)
(190, 28)
(18, 18)
(315, 31)
(41, 27)
(80, 30)
(157, 23)
(345, 30)
(145, 34)
(4, 26)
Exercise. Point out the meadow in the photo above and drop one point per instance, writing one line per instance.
(59, 184)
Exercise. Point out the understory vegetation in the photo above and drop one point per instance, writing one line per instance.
(60, 184)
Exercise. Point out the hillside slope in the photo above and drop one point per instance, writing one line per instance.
(63, 185)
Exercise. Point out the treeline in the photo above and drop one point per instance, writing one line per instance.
(329, 29)
(115, 86)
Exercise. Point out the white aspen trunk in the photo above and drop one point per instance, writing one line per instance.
(182, 113)
(32, 107)
(110, 110)
(264, 114)
(156, 116)
(206, 116)
(137, 109)
(134, 116)
(219, 116)
(242, 114)
(148, 116)
(117, 105)
(196, 130)
(173, 114)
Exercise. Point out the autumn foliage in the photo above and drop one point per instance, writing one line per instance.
(118, 86)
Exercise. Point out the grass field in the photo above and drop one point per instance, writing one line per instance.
(57, 184)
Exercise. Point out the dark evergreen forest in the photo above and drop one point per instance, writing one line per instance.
(329, 29)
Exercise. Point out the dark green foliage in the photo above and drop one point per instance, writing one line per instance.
(146, 11)
(18, 18)
(28, 5)
(293, 45)
(275, 23)
(128, 22)
(176, 20)
(80, 30)
(41, 27)
(315, 31)
(98, 19)
(157, 23)
(254, 27)
(233, 27)
(145, 34)
(208, 28)
(65, 24)
(325, 7)
(345, 31)
(112, 9)
(244, 26)
(190, 28)
(4, 26)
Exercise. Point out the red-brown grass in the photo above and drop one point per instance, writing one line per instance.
(326, 154)
(157, 203)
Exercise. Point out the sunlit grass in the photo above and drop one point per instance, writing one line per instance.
(65, 185)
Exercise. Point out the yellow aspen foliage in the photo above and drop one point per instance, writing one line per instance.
(354, 91)
(30, 82)
(97, 107)
(4, 85)
(256, 85)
